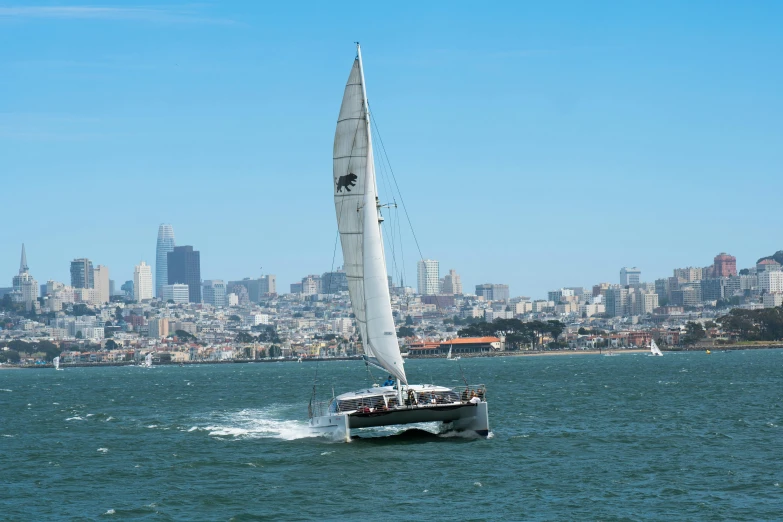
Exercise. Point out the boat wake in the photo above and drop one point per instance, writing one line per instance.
(254, 424)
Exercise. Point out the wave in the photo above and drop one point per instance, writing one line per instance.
(255, 424)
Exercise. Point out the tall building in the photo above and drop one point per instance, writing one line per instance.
(213, 292)
(334, 282)
(25, 287)
(127, 289)
(164, 246)
(617, 301)
(81, 273)
(142, 282)
(689, 274)
(724, 265)
(100, 277)
(492, 292)
(630, 276)
(176, 293)
(428, 275)
(184, 267)
(256, 289)
(771, 282)
(452, 283)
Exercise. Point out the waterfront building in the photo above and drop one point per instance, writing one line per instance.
(81, 273)
(452, 283)
(142, 282)
(428, 275)
(630, 276)
(178, 293)
(184, 267)
(100, 278)
(164, 245)
(493, 292)
(24, 286)
(214, 292)
(724, 265)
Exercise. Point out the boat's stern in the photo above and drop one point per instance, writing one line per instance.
(336, 427)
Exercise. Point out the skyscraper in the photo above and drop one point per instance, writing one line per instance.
(428, 276)
(25, 287)
(184, 267)
(493, 292)
(164, 246)
(452, 283)
(630, 276)
(100, 277)
(214, 292)
(724, 265)
(142, 282)
(81, 273)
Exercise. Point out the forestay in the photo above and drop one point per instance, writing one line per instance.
(358, 222)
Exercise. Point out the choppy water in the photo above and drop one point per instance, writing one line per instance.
(683, 437)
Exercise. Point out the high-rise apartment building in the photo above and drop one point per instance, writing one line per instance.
(81, 273)
(334, 282)
(184, 267)
(25, 287)
(256, 288)
(142, 282)
(630, 276)
(492, 292)
(617, 301)
(164, 246)
(689, 274)
(771, 282)
(213, 291)
(100, 277)
(452, 283)
(724, 265)
(428, 275)
(176, 293)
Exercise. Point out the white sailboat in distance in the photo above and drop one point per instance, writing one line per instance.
(359, 223)
(56, 363)
(148, 361)
(450, 357)
(654, 350)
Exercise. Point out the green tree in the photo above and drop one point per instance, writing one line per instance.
(406, 331)
(694, 332)
(244, 337)
(118, 314)
(275, 351)
(111, 344)
(79, 335)
(408, 321)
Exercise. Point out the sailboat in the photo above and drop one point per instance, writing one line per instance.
(654, 350)
(148, 361)
(359, 223)
(449, 356)
(56, 363)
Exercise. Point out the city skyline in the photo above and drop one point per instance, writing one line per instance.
(601, 105)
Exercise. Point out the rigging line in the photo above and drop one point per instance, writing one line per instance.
(405, 208)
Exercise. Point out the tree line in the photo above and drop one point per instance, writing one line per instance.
(517, 333)
(754, 325)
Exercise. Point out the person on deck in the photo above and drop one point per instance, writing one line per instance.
(389, 381)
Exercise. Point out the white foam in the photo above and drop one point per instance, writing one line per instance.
(6, 390)
(152, 426)
(74, 418)
(110, 512)
(90, 414)
(103, 450)
(256, 424)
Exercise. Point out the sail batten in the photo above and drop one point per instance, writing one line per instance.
(355, 198)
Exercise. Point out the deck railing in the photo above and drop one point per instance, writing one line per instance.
(388, 401)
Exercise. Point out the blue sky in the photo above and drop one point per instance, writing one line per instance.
(537, 144)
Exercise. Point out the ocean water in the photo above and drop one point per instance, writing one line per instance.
(580, 437)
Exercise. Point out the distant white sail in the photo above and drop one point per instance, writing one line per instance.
(448, 356)
(356, 205)
(148, 360)
(654, 349)
(56, 363)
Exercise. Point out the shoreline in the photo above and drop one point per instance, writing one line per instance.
(536, 353)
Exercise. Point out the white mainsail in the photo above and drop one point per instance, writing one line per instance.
(56, 363)
(148, 360)
(358, 221)
(654, 349)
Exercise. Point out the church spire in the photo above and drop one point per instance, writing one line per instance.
(23, 263)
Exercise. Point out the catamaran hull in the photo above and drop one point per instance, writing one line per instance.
(459, 418)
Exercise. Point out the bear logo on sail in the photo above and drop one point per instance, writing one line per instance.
(346, 181)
